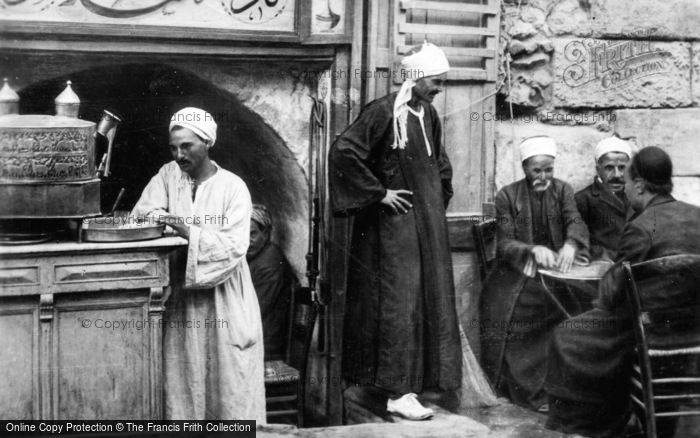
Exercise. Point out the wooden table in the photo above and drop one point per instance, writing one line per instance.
(581, 278)
(594, 270)
(81, 327)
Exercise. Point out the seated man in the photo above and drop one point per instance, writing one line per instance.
(538, 226)
(274, 283)
(589, 364)
(603, 204)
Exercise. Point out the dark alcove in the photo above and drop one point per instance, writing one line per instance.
(145, 96)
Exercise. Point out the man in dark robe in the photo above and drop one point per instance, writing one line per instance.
(274, 282)
(603, 205)
(390, 172)
(589, 367)
(538, 226)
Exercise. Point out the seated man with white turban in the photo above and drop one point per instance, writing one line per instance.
(390, 172)
(603, 205)
(213, 345)
(538, 226)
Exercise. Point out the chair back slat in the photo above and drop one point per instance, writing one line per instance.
(484, 234)
(664, 295)
(683, 264)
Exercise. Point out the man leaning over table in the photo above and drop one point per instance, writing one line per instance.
(212, 371)
(538, 227)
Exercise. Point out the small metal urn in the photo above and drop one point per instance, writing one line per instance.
(67, 103)
(9, 100)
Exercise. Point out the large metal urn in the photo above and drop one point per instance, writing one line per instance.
(47, 167)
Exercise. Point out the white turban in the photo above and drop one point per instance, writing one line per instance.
(262, 216)
(612, 144)
(540, 145)
(429, 61)
(196, 120)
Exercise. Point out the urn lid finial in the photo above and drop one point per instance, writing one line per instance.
(7, 94)
(67, 96)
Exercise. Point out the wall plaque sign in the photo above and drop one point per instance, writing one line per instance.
(256, 11)
(217, 15)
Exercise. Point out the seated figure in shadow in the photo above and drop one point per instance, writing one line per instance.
(274, 283)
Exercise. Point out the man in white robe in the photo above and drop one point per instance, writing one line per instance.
(213, 344)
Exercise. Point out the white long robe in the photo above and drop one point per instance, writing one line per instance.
(213, 344)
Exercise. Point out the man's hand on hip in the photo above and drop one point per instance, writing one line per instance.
(394, 200)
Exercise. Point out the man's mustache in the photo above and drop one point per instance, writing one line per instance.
(541, 184)
(616, 181)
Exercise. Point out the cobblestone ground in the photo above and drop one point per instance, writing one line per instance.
(502, 421)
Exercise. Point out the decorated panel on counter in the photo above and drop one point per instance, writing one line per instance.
(237, 15)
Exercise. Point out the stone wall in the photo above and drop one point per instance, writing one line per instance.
(582, 70)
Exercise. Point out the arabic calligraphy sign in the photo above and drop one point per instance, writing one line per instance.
(246, 15)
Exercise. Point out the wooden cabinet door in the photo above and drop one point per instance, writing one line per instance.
(19, 358)
(87, 355)
(101, 351)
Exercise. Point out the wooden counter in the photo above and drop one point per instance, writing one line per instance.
(81, 327)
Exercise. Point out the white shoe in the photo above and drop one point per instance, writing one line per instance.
(409, 408)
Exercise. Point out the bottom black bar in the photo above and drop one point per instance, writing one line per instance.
(67, 428)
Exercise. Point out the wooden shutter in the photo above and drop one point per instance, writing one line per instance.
(467, 30)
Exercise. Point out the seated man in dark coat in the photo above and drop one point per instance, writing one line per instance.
(589, 366)
(538, 226)
(603, 205)
(274, 283)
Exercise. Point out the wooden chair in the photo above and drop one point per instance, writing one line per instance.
(665, 380)
(485, 243)
(285, 379)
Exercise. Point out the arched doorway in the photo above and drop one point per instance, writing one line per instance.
(145, 96)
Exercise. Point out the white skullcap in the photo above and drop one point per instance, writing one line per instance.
(430, 60)
(540, 145)
(196, 120)
(612, 144)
